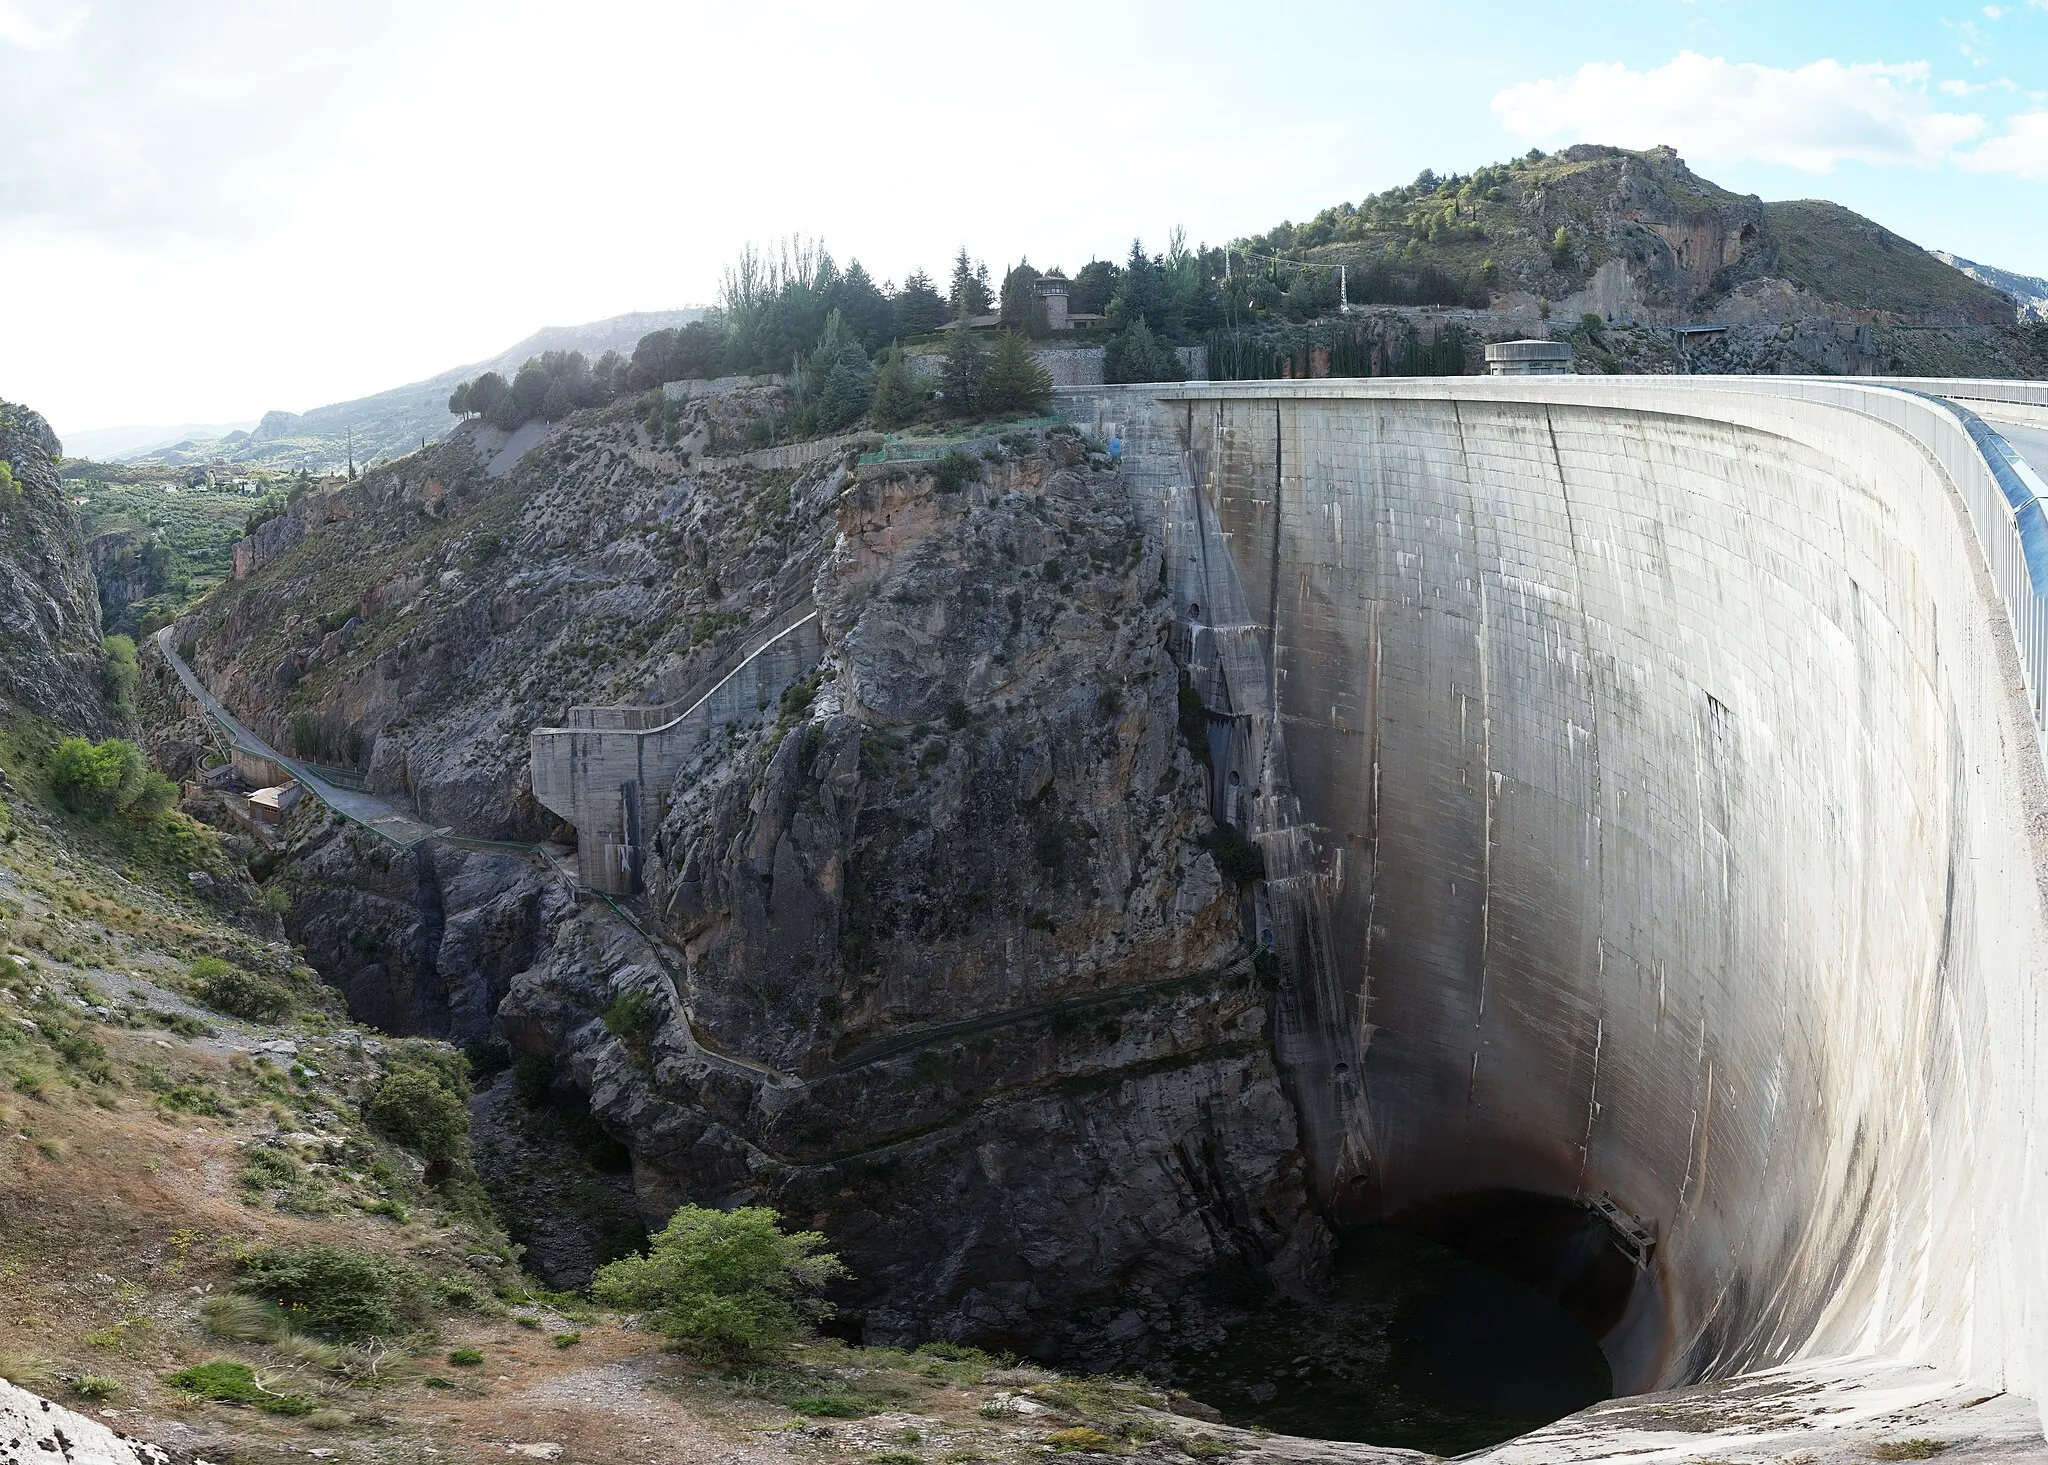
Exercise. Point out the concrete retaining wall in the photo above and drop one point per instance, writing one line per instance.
(1653, 803)
(612, 780)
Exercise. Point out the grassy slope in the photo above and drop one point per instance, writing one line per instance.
(131, 1117)
(1843, 257)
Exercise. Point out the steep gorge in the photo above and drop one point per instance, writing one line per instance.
(934, 953)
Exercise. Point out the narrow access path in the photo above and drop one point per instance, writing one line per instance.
(356, 805)
(2030, 443)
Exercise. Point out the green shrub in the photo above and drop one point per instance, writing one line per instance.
(227, 1382)
(95, 1386)
(124, 673)
(10, 486)
(465, 1357)
(239, 993)
(955, 471)
(335, 1291)
(834, 1406)
(567, 1340)
(1238, 858)
(731, 1284)
(416, 1107)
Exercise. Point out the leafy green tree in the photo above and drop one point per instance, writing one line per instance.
(1140, 293)
(84, 774)
(1016, 385)
(414, 1106)
(970, 293)
(730, 1284)
(899, 396)
(1093, 288)
(1022, 308)
(965, 365)
(124, 673)
(918, 307)
(10, 488)
(1135, 354)
(1561, 247)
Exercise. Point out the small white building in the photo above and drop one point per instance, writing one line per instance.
(270, 805)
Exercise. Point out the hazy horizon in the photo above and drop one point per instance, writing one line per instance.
(213, 211)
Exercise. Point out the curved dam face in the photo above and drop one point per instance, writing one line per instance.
(1652, 802)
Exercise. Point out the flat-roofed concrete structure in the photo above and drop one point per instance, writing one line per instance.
(1528, 358)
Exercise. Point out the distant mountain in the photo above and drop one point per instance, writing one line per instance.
(111, 444)
(2029, 292)
(387, 424)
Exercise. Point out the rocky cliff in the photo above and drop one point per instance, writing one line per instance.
(50, 660)
(934, 953)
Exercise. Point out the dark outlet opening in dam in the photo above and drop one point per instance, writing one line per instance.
(1456, 1325)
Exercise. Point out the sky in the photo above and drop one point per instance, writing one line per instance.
(213, 208)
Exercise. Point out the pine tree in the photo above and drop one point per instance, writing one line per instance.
(970, 293)
(960, 378)
(1016, 385)
(899, 396)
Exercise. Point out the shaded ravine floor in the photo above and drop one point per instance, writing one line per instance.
(1415, 1346)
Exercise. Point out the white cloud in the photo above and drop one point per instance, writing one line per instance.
(1996, 12)
(2022, 150)
(39, 25)
(1810, 117)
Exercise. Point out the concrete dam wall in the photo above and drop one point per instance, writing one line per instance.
(1653, 802)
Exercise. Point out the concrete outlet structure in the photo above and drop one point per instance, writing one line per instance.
(610, 771)
(1650, 779)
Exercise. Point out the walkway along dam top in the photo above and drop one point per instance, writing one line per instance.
(1652, 795)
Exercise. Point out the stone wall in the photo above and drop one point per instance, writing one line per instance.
(1653, 804)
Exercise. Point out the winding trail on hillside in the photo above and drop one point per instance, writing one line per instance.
(358, 806)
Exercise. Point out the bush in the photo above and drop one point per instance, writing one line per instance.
(109, 776)
(732, 1284)
(955, 471)
(123, 675)
(1238, 858)
(227, 1382)
(336, 1291)
(833, 1406)
(238, 993)
(416, 1107)
(1081, 1438)
(95, 1386)
(466, 1357)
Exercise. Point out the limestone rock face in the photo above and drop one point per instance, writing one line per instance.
(932, 955)
(33, 1430)
(49, 606)
(951, 977)
(422, 941)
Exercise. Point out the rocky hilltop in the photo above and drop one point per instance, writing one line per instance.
(935, 951)
(1639, 240)
(50, 659)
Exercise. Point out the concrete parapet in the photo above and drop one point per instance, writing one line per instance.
(1651, 789)
(611, 777)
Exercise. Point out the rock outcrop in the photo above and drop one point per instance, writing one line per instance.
(934, 954)
(33, 1430)
(50, 658)
(953, 974)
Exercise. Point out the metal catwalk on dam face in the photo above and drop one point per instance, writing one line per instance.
(1650, 779)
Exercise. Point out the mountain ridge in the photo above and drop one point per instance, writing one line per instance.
(392, 421)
